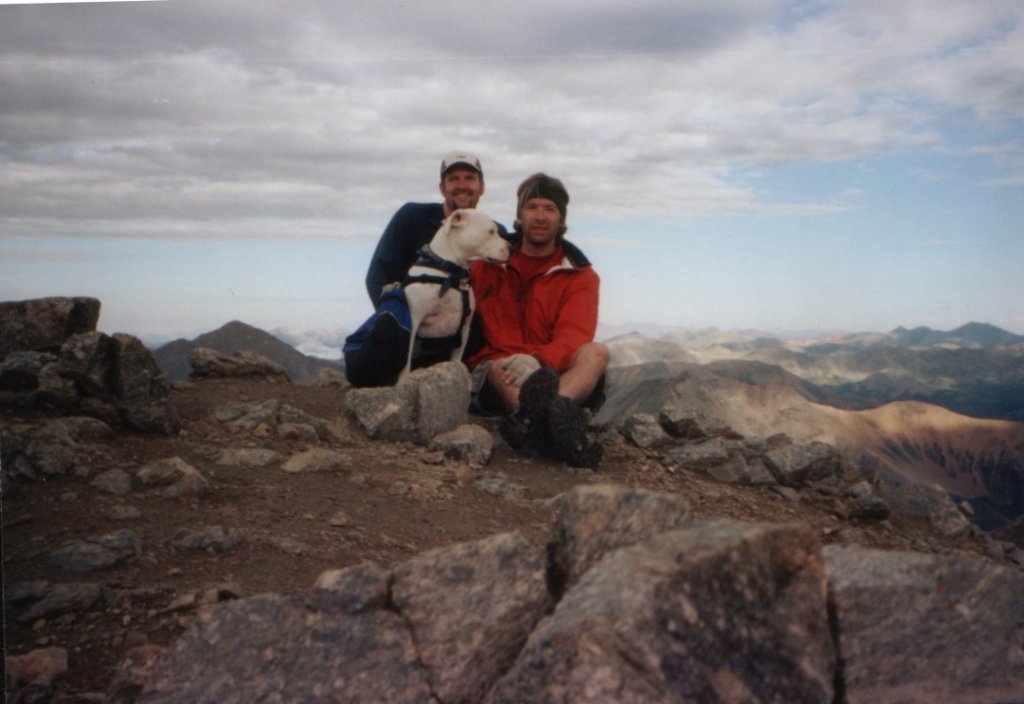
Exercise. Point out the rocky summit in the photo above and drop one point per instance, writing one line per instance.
(236, 537)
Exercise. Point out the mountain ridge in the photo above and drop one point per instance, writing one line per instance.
(975, 459)
(234, 337)
(860, 371)
(765, 386)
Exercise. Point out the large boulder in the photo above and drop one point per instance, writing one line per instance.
(800, 464)
(122, 373)
(928, 502)
(51, 356)
(721, 612)
(207, 362)
(928, 629)
(276, 648)
(470, 609)
(422, 405)
(43, 324)
(592, 521)
(440, 627)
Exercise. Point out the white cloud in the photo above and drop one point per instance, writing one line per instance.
(224, 110)
(259, 120)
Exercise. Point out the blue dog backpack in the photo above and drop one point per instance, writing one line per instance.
(375, 353)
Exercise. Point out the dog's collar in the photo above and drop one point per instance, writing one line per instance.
(457, 275)
(427, 257)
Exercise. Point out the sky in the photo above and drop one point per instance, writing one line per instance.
(784, 166)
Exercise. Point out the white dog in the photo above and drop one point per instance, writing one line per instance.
(437, 287)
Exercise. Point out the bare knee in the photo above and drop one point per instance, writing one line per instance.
(507, 392)
(592, 354)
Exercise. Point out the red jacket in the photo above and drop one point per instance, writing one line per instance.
(549, 317)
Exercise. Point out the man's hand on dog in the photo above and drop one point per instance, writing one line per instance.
(518, 368)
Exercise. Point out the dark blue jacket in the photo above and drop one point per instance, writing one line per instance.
(410, 228)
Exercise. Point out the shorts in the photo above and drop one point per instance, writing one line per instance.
(484, 400)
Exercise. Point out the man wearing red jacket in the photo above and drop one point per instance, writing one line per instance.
(537, 315)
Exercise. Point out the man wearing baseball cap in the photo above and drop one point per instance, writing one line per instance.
(414, 224)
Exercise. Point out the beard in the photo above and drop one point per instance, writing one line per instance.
(458, 201)
(541, 236)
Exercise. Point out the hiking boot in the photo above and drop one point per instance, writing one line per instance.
(526, 427)
(567, 431)
(536, 394)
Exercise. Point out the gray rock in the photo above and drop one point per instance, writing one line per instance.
(86, 429)
(96, 553)
(722, 612)
(865, 505)
(39, 666)
(141, 392)
(32, 590)
(273, 648)
(59, 446)
(387, 413)
(332, 377)
(163, 472)
(797, 465)
(114, 481)
(248, 415)
(112, 377)
(13, 462)
(704, 454)
(926, 628)
(500, 486)
(247, 456)
(88, 360)
(55, 390)
(43, 324)
(644, 431)
(788, 493)
(275, 415)
(220, 539)
(52, 450)
(119, 370)
(132, 671)
(354, 589)
(174, 477)
(470, 608)
(467, 443)
(208, 362)
(282, 543)
(317, 460)
(424, 404)
(297, 431)
(19, 371)
(738, 470)
(592, 521)
(683, 423)
(929, 502)
(59, 599)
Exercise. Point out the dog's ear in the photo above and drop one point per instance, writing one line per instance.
(457, 217)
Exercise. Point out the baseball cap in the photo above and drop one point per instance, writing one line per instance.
(460, 159)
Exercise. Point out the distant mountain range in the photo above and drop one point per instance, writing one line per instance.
(916, 404)
(975, 370)
(235, 337)
(919, 404)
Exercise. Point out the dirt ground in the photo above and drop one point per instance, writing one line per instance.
(398, 501)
